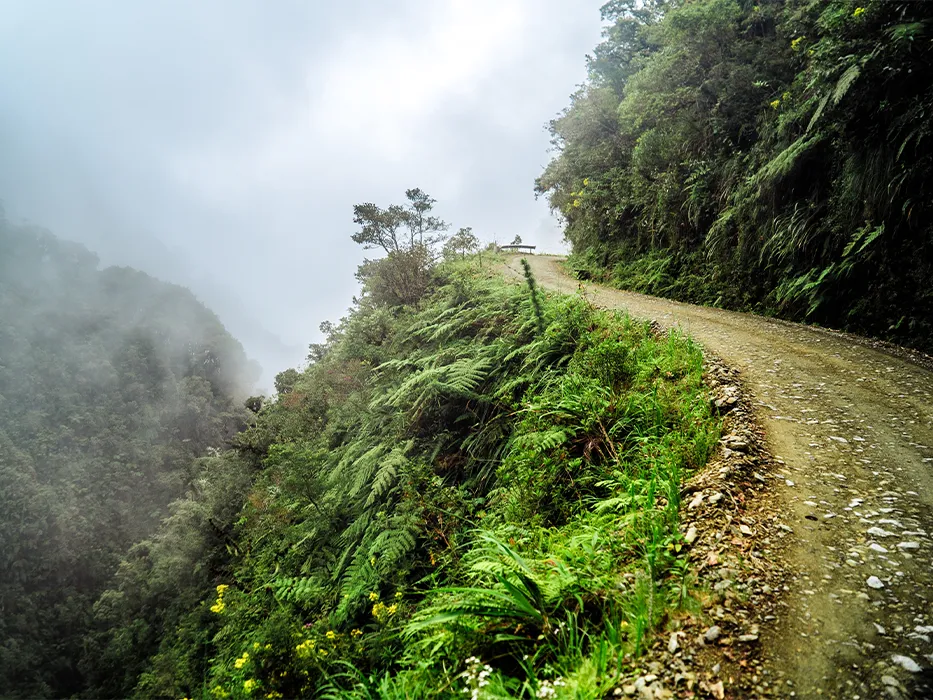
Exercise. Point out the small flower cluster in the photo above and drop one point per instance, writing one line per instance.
(242, 661)
(218, 607)
(383, 612)
(249, 685)
(476, 676)
(858, 11)
(548, 689)
(305, 648)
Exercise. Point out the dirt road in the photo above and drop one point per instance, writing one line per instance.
(854, 428)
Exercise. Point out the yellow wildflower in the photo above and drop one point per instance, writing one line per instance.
(219, 692)
(374, 596)
(248, 685)
(323, 652)
(795, 44)
(255, 646)
(775, 104)
(586, 181)
(331, 634)
(356, 633)
(398, 594)
(241, 662)
(392, 609)
(222, 588)
(218, 607)
(304, 649)
(273, 695)
(576, 203)
(858, 11)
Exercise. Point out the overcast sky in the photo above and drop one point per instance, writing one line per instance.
(222, 144)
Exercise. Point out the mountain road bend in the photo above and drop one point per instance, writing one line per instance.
(853, 425)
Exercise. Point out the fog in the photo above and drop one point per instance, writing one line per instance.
(222, 145)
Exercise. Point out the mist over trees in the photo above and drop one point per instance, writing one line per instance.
(773, 155)
(111, 383)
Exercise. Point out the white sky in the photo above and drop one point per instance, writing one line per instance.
(222, 144)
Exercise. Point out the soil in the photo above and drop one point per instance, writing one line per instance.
(826, 530)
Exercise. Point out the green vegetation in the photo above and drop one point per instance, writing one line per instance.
(774, 155)
(478, 492)
(472, 488)
(111, 383)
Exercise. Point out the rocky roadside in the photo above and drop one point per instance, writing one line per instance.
(849, 423)
(734, 534)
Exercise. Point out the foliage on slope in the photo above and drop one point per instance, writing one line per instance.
(773, 155)
(491, 477)
(110, 383)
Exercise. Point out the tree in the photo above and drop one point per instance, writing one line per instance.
(409, 235)
(461, 243)
(380, 228)
(517, 240)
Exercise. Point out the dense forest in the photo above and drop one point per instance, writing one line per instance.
(772, 155)
(111, 383)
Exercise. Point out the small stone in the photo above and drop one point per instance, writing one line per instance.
(875, 547)
(697, 500)
(629, 689)
(879, 628)
(691, 535)
(906, 663)
(908, 545)
(712, 634)
(874, 582)
(745, 529)
(715, 498)
(879, 532)
(672, 645)
(748, 637)
(889, 680)
(650, 678)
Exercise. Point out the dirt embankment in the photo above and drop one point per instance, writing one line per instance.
(850, 430)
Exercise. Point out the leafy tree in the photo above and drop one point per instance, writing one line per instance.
(409, 235)
(461, 244)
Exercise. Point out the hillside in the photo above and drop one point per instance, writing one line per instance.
(111, 383)
(490, 472)
(773, 156)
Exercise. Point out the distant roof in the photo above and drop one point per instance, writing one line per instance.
(517, 246)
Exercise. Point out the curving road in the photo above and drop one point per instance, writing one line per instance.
(854, 427)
